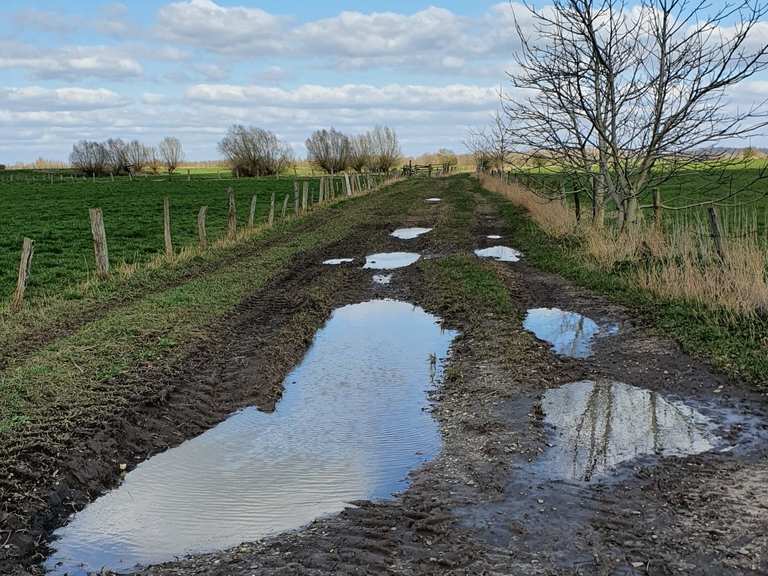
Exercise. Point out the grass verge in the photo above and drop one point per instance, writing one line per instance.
(734, 343)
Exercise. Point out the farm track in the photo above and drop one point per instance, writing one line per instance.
(471, 511)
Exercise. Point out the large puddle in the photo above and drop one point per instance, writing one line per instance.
(599, 425)
(410, 233)
(351, 424)
(569, 333)
(500, 253)
(390, 260)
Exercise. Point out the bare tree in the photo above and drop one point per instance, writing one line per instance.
(385, 149)
(92, 158)
(118, 159)
(625, 100)
(171, 153)
(255, 151)
(329, 149)
(153, 160)
(137, 155)
(360, 152)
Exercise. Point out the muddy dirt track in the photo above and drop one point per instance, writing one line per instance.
(483, 506)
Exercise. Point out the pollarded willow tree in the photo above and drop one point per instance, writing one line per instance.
(255, 151)
(626, 97)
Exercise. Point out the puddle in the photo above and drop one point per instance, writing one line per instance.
(390, 260)
(409, 233)
(569, 333)
(351, 424)
(500, 253)
(337, 261)
(434, 200)
(383, 279)
(493, 237)
(599, 425)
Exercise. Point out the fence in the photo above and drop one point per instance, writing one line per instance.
(308, 193)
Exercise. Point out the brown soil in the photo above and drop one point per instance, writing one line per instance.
(476, 509)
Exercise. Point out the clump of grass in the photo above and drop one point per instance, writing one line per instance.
(675, 263)
(552, 216)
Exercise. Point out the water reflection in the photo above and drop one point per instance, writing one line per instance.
(500, 253)
(569, 333)
(390, 260)
(350, 425)
(410, 233)
(602, 424)
(337, 261)
(383, 279)
(434, 199)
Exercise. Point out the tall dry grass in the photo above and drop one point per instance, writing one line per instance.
(679, 262)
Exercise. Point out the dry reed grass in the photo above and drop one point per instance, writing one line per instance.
(679, 263)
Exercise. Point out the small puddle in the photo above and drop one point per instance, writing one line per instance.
(409, 233)
(351, 424)
(383, 279)
(434, 200)
(599, 425)
(390, 260)
(493, 237)
(569, 333)
(500, 253)
(337, 261)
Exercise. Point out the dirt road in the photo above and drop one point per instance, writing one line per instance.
(495, 501)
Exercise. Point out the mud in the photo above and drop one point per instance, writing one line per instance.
(482, 506)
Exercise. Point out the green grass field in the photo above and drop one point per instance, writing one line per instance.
(55, 216)
(746, 210)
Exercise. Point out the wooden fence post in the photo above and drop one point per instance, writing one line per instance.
(717, 233)
(99, 243)
(285, 207)
(296, 197)
(252, 212)
(656, 206)
(231, 215)
(167, 227)
(202, 234)
(272, 210)
(347, 184)
(305, 196)
(25, 264)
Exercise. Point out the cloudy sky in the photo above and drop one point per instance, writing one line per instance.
(74, 69)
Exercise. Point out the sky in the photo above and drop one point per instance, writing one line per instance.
(145, 69)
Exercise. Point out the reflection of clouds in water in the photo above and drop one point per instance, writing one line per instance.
(410, 233)
(600, 425)
(570, 334)
(500, 253)
(390, 260)
(348, 427)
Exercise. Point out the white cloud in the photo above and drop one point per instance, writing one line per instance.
(70, 62)
(35, 98)
(392, 96)
(223, 30)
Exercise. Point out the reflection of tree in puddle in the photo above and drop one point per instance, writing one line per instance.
(570, 334)
(601, 424)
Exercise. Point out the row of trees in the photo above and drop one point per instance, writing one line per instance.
(114, 156)
(250, 151)
(623, 100)
(377, 150)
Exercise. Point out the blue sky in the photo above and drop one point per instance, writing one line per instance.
(190, 68)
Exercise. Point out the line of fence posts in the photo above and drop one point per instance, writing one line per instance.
(713, 217)
(327, 191)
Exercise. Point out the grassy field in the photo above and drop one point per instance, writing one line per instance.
(55, 216)
(748, 211)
